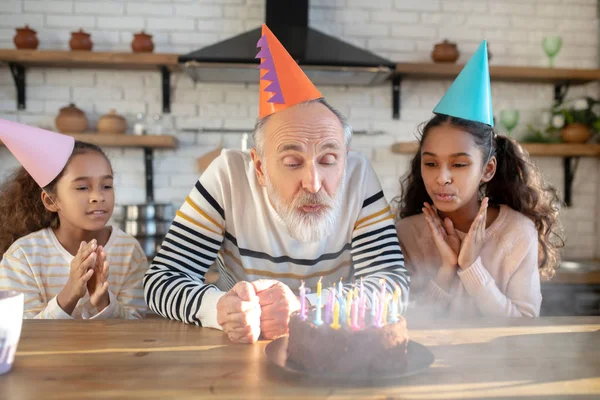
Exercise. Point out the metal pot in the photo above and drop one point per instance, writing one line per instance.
(150, 245)
(140, 228)
(148, 211)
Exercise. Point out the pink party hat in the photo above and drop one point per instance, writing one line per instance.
(42, 153)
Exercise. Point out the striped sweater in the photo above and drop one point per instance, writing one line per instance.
(38, 266)
(227, 219)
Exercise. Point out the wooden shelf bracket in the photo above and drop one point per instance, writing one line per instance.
(18, 74)
(569, 169)
(396, 83)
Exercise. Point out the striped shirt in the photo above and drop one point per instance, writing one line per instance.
(228, 219)
(38, 266)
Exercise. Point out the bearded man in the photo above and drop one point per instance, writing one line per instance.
(298, 208)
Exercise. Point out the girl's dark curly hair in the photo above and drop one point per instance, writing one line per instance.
(517, 183)
(21, 209)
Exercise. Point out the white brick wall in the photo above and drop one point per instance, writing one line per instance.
(403, 30)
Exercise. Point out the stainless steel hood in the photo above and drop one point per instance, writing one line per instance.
(325, 59)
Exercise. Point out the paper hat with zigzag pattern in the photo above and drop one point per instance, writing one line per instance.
(42, 153)
(470, 96)
(283, 84)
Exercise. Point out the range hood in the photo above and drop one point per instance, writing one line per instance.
(324, 59)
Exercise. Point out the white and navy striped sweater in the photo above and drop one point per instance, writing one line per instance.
(228, 219)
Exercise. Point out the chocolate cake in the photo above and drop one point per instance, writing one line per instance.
(322, 349)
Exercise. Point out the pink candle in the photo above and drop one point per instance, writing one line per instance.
(302, 302)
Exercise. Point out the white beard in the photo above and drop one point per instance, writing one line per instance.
(308, 227)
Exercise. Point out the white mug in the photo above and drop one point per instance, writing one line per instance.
(11, 321)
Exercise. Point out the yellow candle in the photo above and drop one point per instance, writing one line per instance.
(385, 311)
(319, 287)
(336, 316)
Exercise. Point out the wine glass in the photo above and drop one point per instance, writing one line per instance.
(509, 119)
(552, 45)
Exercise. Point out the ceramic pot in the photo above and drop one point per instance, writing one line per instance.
(26, 38)
(142, 43)
(148, 211)
(71, 120)
(112, 123)
(575, 133)
(80, 41)
(445, 52)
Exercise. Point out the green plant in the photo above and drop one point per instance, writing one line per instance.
(577, 111)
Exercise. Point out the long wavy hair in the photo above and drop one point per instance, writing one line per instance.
(517, 183)
(21, 209)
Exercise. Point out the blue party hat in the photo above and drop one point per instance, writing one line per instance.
(470, 96)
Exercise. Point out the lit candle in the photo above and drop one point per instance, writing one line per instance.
(349, 306)
(395, 301)
(336, 315)
(341, 288)
(355, 304)
(363, 305)
(302, 302)
(318, 320)
(374, 309)
(384, 314)
(329, 307)
(382, 302)
(362, 291)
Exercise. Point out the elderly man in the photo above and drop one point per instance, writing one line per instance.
(299, 207)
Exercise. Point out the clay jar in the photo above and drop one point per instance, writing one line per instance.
(445, 52)
(71, 120)
(575, 133)
(80, 41)
(26, 38)
(112, 123)
(142, 43)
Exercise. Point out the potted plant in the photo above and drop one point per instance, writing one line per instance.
(577, 120)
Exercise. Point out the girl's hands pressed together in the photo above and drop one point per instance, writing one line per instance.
(82, 269)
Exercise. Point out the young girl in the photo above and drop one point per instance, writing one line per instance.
(56, 246)
(477, 225)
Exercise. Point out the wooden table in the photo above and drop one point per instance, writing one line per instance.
(542, 358)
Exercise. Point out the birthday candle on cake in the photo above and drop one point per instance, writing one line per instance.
(395, 304)
(329, 306)
(318, 320)
(382, 298)
(374, 308)
(362, 291)
(363, 305)
(336, 315)
(385, 311)
(302, 302)
(355, 304)
(349, 306)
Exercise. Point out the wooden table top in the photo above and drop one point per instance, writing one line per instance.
(553, 357)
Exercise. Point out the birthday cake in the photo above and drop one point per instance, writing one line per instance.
(357, 346)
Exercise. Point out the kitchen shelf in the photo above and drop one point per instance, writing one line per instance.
(125, 140)
(89, 59)
(19, 60)
(567, 151)
(561, 78)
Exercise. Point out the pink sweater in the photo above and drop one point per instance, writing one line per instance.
(503, 281)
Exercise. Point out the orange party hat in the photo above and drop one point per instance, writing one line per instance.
(283, 84)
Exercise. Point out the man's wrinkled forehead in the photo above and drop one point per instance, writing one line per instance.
(304, 123)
